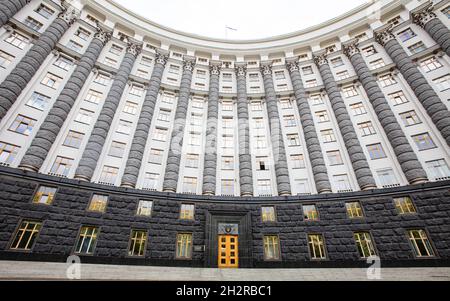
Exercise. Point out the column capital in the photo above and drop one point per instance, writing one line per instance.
(424, 15)
(215, 67)
(69, 15)
(189, 63)
(292, 65)
(351, 49)
(321, 59)
(134, 48)
(240, 69)
(266, 68)
(384, 36)
(103, 35)
(161, 57)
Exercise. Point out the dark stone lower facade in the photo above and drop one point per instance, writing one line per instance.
(63, 218)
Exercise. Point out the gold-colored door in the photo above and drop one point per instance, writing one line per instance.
(228, 251)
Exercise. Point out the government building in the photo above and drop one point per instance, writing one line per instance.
(126, 142)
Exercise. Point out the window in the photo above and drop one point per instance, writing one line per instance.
(337, 62)
(387, 178)
(94, 96)
(117, 149)
(386, 80)
(404, 205)
(354, 210)
(342, 183)
(227, 106)
(430, 64)
(142, 73)
(406, 34)
(87, 240)
(98, 203)
(285, 104)
(334, 157)
(44, 11)
(322, 116)
(311, 83)
(424, 141)
(227, 163)
(116, 49)
(268, 214)
(91, 20)
(195, 138)
(136, 90)
(303, 57)
(308, 70)
(253, 77)
(297, 161)
(258, 123)
(279, 75)
(82, 33)
(366, 128)
(144, 208)
(442, 83)
(184, 246)
(271, 247)
(227, 140)
(61, 166)
(364, 244)
(26, 235)
(376, 151)
(38, 101)
(33, 23)
(438, 169)
(138, 240)
(349, 91)
(256, 106)
(187, 211)
(420, 242)
(377, 64)
(368, 51)
(293, 140)
(197, 103)
(102, 79)
(23, 125)
(410, 118)
(110, 62)
(302, 186)
(328, 136)
(160, 134)
(8, 153)
(84, 116)
(146, 61)
(174, 69)
(342, 75)
(446, 11)
(358, 109)
(164, 115)
(201, 74)
(109, 175)
(261, 163)
(289, 121)
(44, 195)
(17, 40)
(130, 108)
(398, 98)
(73, 139)
(394, 21)
(150, 181)
(5, 59)
(227, 187)
(264, 187)
(316, 246)
(227, 77)
(63, 63)
(156, 156)
(74, 46)
(192, 160)
(310, 213)
(418, 47)
(51, 80)
(189, 185)
(196, 119)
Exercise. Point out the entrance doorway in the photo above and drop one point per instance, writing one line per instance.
(228, 256)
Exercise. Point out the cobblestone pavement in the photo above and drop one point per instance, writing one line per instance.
(20, 270)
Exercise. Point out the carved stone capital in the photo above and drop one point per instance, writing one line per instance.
(70, 15)
(103, 35)
(266, 69)
(241, 70)
(384, 36)
(292, 66)
(425, 15)
(161, 58)
(134, 49)
(214, 69)
(351, 49)
(321, 59)
(189, 64)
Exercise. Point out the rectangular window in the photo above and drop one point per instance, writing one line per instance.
(328, 136)
(279, 75)
(45, 11)
(87, 240)
(136, 90)
(160, 134)
(302, 186)
(271, 247)
(23, 125)
(261, 163)
(366, 128)
(130, 108)
(156, 156)
(61, 166)
(364, 244)
(334, 158)
(227, 187)
(117, 149)
(144, 208)
(285, 104)
(38, 101)
(298, 161)
(17, 40)
(421, 244)
(349, 91)
(438, 169)
(398, 98)
(404, 205)
(406, 34)
(195, 139)
(337, 62)
(102, 79)
(293, 140)
(311, 83)
(446, 11)
(192, 160)
(44, 195)
(84, 116)
(430, 64)
(33, 23)
(310, 213)
(197, 103)
(94, 96)
(289, 121)
(150, 181)
(268, 214)
(98, 203)
(228, 141)
(316, 246)
(142, 73)
(146, 61)
(264, 187)
(387, 178)
(256, 106)
(26, 235)
(138, 241)
(377, 64)
(308, 70)
(442, 83)
(187, 211)
(368, 51)
(110, 62)
(227, 106)
(74, 46)
(354, 210)
(51, 80)
(386, 80)
(8, 153)
(410, 118)
(258, 123)
(227, 163)
(5, 59)
(109, 175)
(376, 151)
(341, 183)
(83, 33)
(417, 47)
(164, 115)
(190, 185)
(184, 246)
(424, 141)
(322, 116)
(342, 75)
(358, 109)
(63, 63)
(174, 69)
(116, 49)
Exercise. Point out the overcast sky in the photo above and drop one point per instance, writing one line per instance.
(252, 18)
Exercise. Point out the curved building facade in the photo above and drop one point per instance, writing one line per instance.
(123, 141)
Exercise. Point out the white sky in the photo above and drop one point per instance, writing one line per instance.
(253, 19)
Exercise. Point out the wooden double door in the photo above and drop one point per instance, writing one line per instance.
(228, 256)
